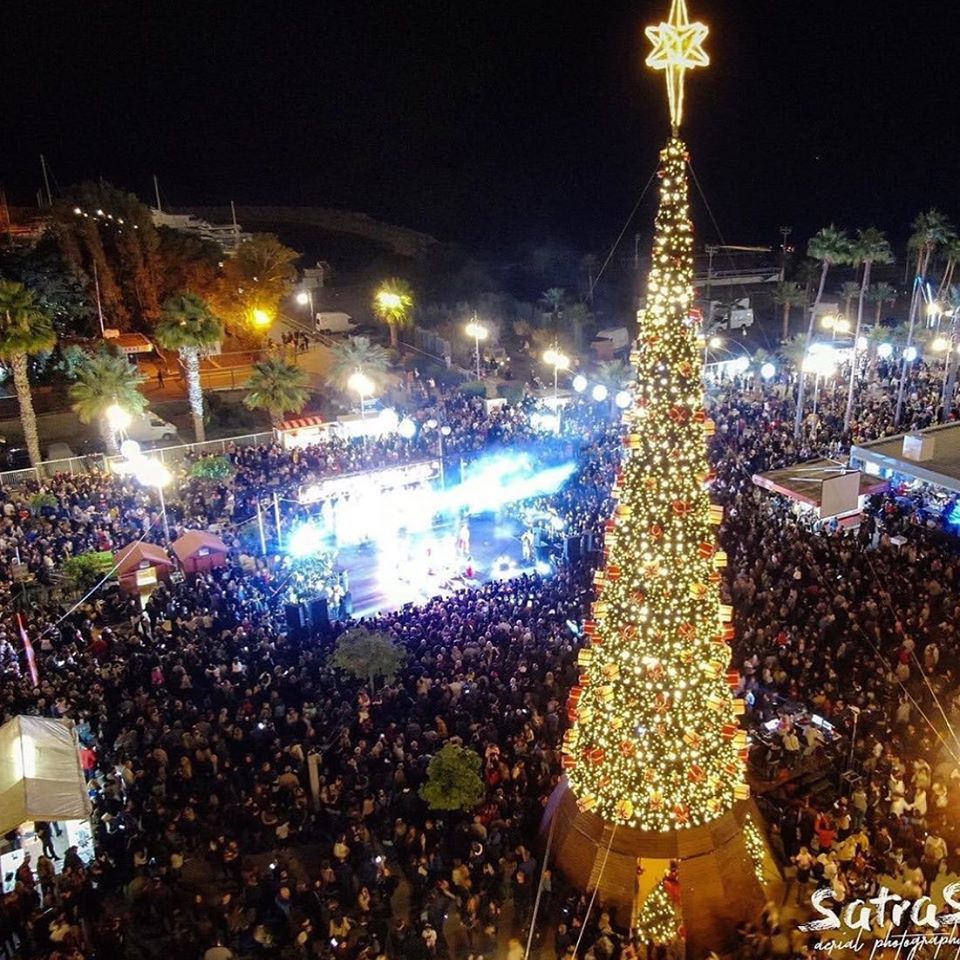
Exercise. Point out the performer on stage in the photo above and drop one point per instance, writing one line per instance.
(463, 539)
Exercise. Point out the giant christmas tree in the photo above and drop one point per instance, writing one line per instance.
(654, 755)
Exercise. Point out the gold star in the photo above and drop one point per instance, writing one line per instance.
(677, 47)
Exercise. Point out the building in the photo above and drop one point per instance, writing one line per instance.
(227, 236)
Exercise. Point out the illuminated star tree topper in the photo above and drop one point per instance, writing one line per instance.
(677, 47)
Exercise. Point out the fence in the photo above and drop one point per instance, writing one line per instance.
(78, 466)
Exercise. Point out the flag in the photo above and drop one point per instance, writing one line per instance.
(28, 649)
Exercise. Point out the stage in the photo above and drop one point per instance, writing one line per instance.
(384, 576)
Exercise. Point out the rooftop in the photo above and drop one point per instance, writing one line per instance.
(939, 463)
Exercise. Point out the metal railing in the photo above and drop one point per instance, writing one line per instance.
(98, 462)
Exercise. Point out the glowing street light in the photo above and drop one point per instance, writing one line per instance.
(579, 383)
(599, 393)
(389, 300)
(150, 473)
(442, 433)
(940, 344)
(910, 354)
(117, 417)
(260, 317)
(623, 399)
(885, 350)
(305, 299)
(407, 429)
(479, 332)
(559, 361)
(828, 321)
(361, 384)
(715, 343)
(768, 371)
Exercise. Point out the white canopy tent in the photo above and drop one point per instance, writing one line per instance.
(40, 773)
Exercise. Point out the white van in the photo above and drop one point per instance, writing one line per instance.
(148, 426)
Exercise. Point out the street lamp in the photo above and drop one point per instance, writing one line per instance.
(388, 300)
(360, 383)
(260, 317)
(768, 371)
(559, 361)
(305, 299)
(442, 432)
(579, 383)
(150, 473)
(820, 360)
(117, 419)
(479, 332)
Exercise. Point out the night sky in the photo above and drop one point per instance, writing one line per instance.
(493, 121)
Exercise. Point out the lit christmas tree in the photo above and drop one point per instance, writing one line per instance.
(654, 755)
(654, 741)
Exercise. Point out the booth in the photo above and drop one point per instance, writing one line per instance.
(40, 773)
(198, 551)
(141, 565)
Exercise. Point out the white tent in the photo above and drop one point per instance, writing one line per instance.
(40, 773)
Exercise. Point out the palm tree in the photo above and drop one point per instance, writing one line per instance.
(105, 380)
(554, 298)
(356, 353)
(187, 326)
(613, 374)
(952, 251)
(881, 293)
(277, 386)
(788, 295)
(930, 231)
(950, 380)
(392, 304)
(24, 329)
(831, 247)
(792, 351)
(870, 247)
(849, 291)
(578, 316)
(875, 336)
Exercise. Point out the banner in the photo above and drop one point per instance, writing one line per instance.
(28, 649)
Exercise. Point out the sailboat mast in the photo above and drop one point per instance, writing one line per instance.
(156, 190)
(46, 180)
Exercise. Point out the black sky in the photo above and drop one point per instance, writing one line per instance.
(490, 121)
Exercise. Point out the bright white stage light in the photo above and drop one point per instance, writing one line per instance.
(304, 541)
(623, 399)
(767, 371)
(884, 350)
(407, 429)
(599, 393)
(910, 354)
(389, 419)
(579, 383)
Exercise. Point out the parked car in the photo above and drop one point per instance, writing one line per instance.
(13, 457)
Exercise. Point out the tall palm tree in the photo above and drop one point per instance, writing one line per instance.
(953, 357)
(951, 250)
(277, 387)
(870, 247)
(577, 315)
(356, 353)
(187, 326)
(103, 380)
(831, 247)
(24, 329)
(881, 293)
(875, 336)
(788, 295)
(392, 303)
(554, 298)
(792, 351)
(931, 230)
(613, 374)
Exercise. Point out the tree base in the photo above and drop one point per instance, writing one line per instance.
(719, 884)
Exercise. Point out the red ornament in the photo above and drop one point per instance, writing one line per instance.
(686, 630)
(706, 550)
(655, 531)
(679, 414)
(696, 774)
(628, 748)
(682, 815)
(662, 703)
(680, 507)
(638, 596)
(596, 755)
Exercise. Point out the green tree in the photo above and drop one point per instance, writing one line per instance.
(788, 295)
(356, 353)
(554, 299)
(188, 326)
(83, 571)
(253, 283)
(613, 374)
(277, 387)
(953, 357)
(108, 238)
(213, 469)
(393, 304)
(103, 380)
(951, 250)
(931, 230)
(870, 247)
(24, 330)
(453, 779)
(881, 293)
(830, 246)
(849, 291)
(368, 655)
(578, 316)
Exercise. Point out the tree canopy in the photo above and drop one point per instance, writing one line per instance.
(368, 655)
(453, 779)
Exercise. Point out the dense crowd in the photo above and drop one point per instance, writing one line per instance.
(202, 717)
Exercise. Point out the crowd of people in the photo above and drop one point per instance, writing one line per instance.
(252, 800)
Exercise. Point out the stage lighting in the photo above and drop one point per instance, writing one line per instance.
(407, 429)
(304, 541)
(544, 569)
(130, 449)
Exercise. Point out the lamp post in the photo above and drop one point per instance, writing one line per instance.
(442, 432)
(559, 361)
(479, 332)
(118, 419)
(362, 385)
(151, 473)
(305, 299)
